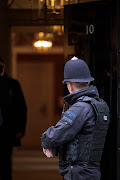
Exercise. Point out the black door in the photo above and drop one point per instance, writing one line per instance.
(89, 35)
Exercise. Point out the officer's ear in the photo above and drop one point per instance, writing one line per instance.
(71, 87)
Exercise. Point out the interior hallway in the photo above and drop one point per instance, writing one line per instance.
(33, 165)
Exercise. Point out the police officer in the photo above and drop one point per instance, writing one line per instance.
(80, 134)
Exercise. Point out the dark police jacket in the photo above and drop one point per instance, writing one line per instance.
(79, 135)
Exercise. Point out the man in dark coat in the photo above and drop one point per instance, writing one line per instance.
(12, 120)
(80, 134)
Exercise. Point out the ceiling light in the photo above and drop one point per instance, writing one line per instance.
(42, 44)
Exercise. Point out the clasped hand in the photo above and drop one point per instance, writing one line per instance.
(48, 152)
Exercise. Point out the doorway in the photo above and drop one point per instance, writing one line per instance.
(40, 73)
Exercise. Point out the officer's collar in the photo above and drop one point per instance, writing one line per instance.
(91, 91)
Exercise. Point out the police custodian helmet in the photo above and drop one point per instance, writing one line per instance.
(76, 70)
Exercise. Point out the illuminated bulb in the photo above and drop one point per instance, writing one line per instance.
(42, 44)
(41, 34)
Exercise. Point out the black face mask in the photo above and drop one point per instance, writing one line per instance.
(1, 69)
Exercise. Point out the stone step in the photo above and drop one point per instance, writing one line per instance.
(33, 161)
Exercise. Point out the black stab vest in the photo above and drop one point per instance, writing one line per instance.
(88, 148)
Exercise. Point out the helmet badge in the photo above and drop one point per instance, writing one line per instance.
(74, 58)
